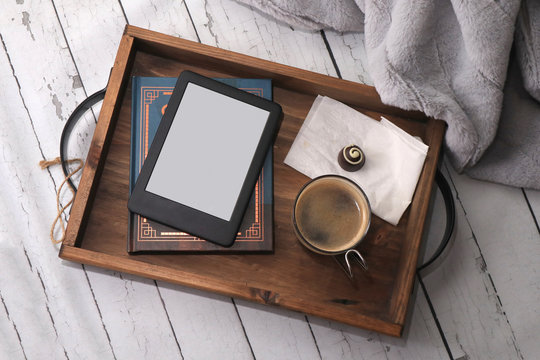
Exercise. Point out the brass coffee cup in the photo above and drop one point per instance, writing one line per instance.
(331, 216)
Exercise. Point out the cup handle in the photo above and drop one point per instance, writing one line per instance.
(347, 267)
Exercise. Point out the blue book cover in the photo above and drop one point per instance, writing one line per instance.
(150, 96)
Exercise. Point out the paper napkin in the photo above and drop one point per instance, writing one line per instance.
(394, 159)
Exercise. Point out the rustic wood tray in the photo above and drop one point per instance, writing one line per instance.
(292, 277)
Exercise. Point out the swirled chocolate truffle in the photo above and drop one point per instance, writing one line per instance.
(351, 158)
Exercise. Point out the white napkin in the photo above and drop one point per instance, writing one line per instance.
(394, 159)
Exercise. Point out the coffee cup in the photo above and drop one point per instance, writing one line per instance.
(331, 216)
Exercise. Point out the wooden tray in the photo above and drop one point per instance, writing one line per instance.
(292, 277)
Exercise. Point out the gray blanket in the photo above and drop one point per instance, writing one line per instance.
(449, 59)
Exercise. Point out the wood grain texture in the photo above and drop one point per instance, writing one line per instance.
(93, 31)
(105, 234)
(117, 297)
(207, 325)
(50, 304)
(133, 314)
(170, 17)
(119, 312)
(261, 323)
(455, 300)
(249, 34)
(38, 292)
(510, 258)
(485, 328)
(533, 197)
(415, 229)
(100, 142)
(350, 55)
(419, 341)
(255, 34)
(11, 345)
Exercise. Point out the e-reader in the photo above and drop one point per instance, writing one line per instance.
(205, 158)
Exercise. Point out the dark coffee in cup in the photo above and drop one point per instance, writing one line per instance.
(331, 214)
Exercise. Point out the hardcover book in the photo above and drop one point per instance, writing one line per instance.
(149, 101)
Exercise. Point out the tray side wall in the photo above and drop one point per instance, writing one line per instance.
(415, 229)
(100, 142)
(286, 80)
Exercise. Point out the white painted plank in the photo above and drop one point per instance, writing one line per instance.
(466, 301)
(273, 333)
(510, 244)
(534, 199)
(133, 315)
(350, 54)
(234, 27)
(229, 25)
(207, 325)
(10, 347)
(131, 309)
(168, 17)
(79, 141)
(420, 340)
(150, 303)
(46, 304)
(276, 333)
(130, 346)
(43, 68)
(334, 340)
(24, 298)
(339, 341)
(93, 31)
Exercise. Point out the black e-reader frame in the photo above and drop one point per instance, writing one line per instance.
(224, 113)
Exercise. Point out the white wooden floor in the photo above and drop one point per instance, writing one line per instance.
(53, 53)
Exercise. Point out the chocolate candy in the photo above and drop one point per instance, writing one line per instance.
(351, 158)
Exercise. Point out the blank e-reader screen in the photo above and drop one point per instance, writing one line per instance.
(207, 152)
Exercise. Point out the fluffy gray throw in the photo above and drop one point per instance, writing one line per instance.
(449, 59)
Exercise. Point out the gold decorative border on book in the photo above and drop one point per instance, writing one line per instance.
(145, 230)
